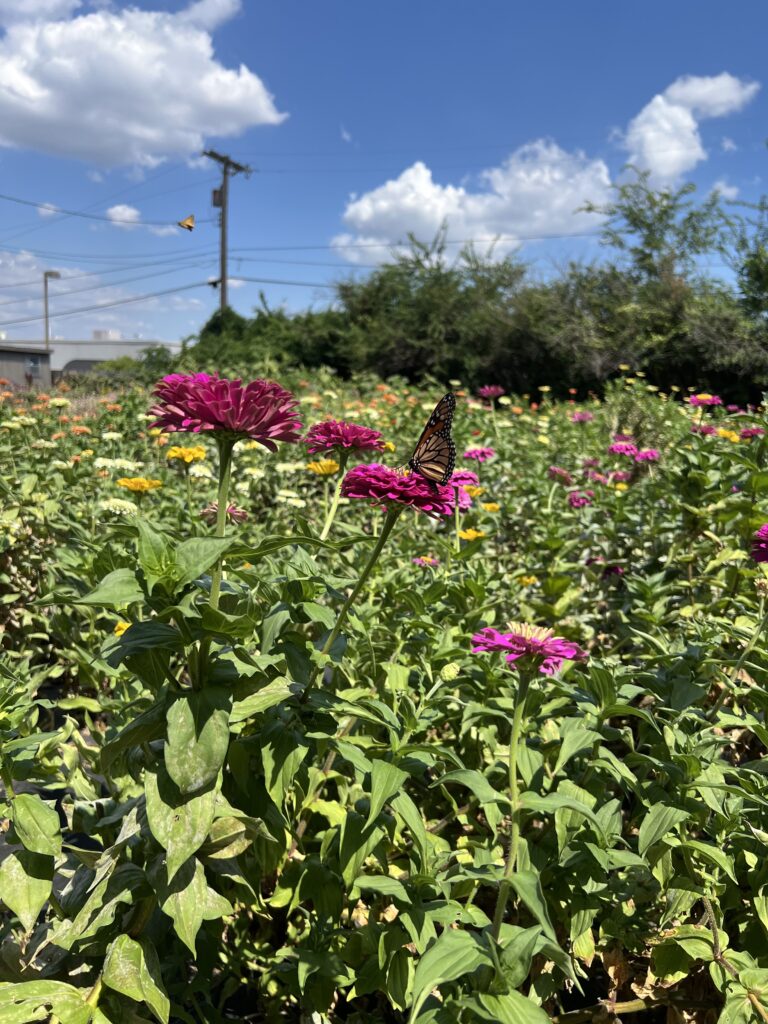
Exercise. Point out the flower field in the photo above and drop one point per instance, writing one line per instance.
(287, 735)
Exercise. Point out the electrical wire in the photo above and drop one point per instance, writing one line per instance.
(98, 216)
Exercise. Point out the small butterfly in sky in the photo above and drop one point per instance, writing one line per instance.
(435, 453)
(188, 222)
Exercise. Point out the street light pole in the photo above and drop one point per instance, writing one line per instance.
(48, 275)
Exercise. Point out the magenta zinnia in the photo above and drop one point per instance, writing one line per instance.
(558, 473)
(198, 403)
(623, 448)
(705, 399)
(759, 550)
(578, 499)
(387, 489)
(545, 651)
(490, 391)
(582, 416)
(333, 435)
(459, 480)
(479, 454)
(648, 455)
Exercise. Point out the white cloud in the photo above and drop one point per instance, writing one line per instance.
(48, 210)
(36, 10)
(726, 191)
(728, 145)
(534, 193)
(664, 137)
(124, 216)
(163, 230)
(130, 87)
(345, 135)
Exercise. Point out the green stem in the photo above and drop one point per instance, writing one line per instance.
(457, 524)
(190, 507)
(389, 522)
(343, 456)
(225, 470)
(95, 993)
(712, 714)
(514, 791)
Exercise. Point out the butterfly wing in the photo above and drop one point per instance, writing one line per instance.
(188, 222)
(435, 453)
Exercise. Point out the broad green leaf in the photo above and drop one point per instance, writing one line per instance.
(147, 725)
(188, 900)
(155, 555)
(132, 968)
(256, 703)
(197, 555)
(26, 880)
(382, 885)
(28, 1001)
(406, 809)
(198, 737)
(714, 855)
(518, 952)
(149, 636)
(527, 885)
(556, 801)
(179, 823)
(36, 824)
(455, 954)
(386, 780)
(659, 821)
(118, 589)
(512, 1008)
(476, 783)
(282, 753)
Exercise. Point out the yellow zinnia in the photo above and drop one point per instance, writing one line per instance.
(194, 454)
(138, 484)
(121, 627)
(528, 581)
(471, 534)
(729, 435)
(474, 491)
(388, 446)
(323, 467)
(491, 506)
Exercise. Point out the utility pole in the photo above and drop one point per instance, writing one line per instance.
(48, 275)
(221, 200)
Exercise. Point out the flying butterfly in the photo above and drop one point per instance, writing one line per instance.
(435, 453)
(188, 222)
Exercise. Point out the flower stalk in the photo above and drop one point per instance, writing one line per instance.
(331, 512)
(226, 447)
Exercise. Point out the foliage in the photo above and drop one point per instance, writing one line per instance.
(299, 801)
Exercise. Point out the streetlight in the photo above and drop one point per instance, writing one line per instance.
(48, 275)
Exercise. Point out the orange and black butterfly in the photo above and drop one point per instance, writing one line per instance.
(435, 453)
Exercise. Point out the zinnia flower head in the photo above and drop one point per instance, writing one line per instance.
(749, 432)
(534, 643)
(490, 391)
(262, 410)
(623, 448)
(582, 416)
(621, 476)
(323, 467)
(426, 561)
(138, 484)
(471, 534)
(648, 455)
(759, 550)
(558, 473)
(479, 454)
(234, 514)
(703, 428)
(463, 482)
(705, 399)
(734, 408)
(387, 489)
(578, 499)
(196, 453)
(333, 435)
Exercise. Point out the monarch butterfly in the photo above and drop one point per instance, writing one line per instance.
(435, 453)
(188, 222)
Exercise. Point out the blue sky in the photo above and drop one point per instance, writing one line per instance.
(362, 122)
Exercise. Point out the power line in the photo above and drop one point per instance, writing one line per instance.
(120, 270)
(96, 216)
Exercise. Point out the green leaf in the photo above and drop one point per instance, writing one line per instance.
(26, 880)
(132, 968)
(455, 954)
(140, 637)
(386, 780)
(383, 885)
(714, 855)
(118, 589)
(282, 753)
(659, 821)
(527, 885)
(512, 1008)
(155, 555)
(518, 952)
(557, 801)
(198, 737)
(476, 783)
(146, 726)
(36, 824)
(264, 699)
(188, 900)
(179, 823)
(28, 1001)
(195, 556)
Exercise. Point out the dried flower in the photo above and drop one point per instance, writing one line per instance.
(234, 514)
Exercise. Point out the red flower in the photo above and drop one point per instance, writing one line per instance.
(197, 403)
(387, 489)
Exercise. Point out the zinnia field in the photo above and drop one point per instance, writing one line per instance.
(286, 735)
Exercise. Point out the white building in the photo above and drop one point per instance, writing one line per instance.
(81, 356)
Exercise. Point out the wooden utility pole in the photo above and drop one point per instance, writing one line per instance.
(221, 200)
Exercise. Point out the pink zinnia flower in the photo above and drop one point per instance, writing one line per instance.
(759, 550)
(590, 463)
(648, 455)
(234, 514)
(479, 454)
(578, 499)
(387, 489)
(426, 561)
(697, 400)
(558, 473)
(734, 408)
(545, 651)
(623, 448)
(749, 432)
(621, 476)
(583, 416)
(703, 428)
(333, 435)
(490, 391)
(596, 478)
(262, 410)
(459, 480)
(622, 437)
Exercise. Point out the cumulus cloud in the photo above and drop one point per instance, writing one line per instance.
(726, 191)
(664, 137)
(34, 10)
(534, 193)
(124, 216)
(121, 88)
